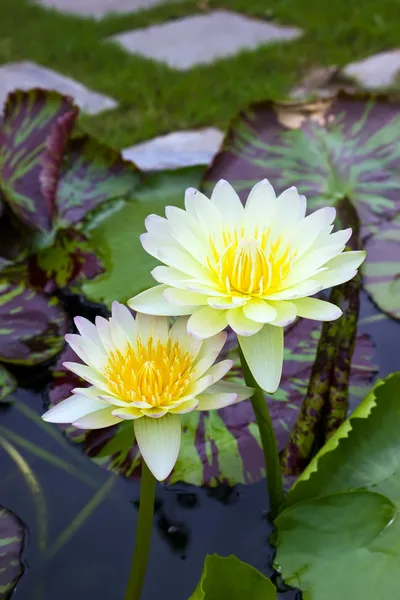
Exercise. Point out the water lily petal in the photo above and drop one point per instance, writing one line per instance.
(304, 288)
(347, 260)
(208, 353)
(185, 230)
(159, 441)
(87, 373)
(178, 333)
(219, 370)
(87, 350)
(150, 326)
(264, 355)
(87, 329)
(261, 204)
(206, 322)
(333, 277)
(157, 225)
(259, 310)
(308, 230)
(176, 257)
(241, 324)
(319, 310)
(216, 401)
(127, 413)
(228, 387)
(286, 312)
(181, 297)
(291, 208)
(185, 407)
(73, 408)
(153, 302)
(103, 328)
(199, 386)
(97, 420)
(170, 276)
(123, 326)
(225, 302)
(200, 207)
(228, 202)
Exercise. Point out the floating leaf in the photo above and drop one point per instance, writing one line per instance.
(11, 546)
(339, 535)
(228, 578)
(116, 239)
(8, 384)
(31, 119)
(32, 326)
(348, 147)
(220, 446)
(69, 261)
(91, 174)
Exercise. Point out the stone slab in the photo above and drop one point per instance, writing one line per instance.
(99, 8)
(201, 39)
(26, 75)
(377, 71)
(178, 149)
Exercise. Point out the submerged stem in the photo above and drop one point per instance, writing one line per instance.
(268, 441)
(143, 534)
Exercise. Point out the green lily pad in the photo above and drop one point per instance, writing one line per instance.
(345, 149)
(11, 546)
(228, 578)
(338, 536)
(116, 238)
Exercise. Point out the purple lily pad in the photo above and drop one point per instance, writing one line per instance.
(11, 543)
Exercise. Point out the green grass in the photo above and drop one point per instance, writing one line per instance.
(154, 99)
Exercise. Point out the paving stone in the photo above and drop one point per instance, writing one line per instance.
(99, 8)
(178, 149)
(200, 39)
(377, 71)
(26, 75)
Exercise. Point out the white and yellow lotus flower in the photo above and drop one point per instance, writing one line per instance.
(143, 370)
(252, 267)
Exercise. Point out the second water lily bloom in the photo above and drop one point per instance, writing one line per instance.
(252, 267)
(144, 371)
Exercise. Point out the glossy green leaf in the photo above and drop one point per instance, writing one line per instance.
(33, 135)
(32, 326)
(116, 239)
(11, 546)
(338, 536)
(228, 578)
(348, 148)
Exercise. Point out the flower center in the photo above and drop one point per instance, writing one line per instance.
(250, 264)
(155, 373)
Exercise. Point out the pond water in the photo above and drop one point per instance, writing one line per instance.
(81, 520)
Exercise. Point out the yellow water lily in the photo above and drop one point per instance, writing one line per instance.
(252, 267)
(148, 372)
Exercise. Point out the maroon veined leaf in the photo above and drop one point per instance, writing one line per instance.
(68, 262)
(14, 241)
(220, 446)
(8, 384)
(346, 147)
(32, 326)
(382, 270)
(91, 175)
(36, 125)
(11, 546)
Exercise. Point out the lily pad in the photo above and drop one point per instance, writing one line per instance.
(220, 446)
(346, 148)
(116, 238)
(32, 326)
(339, 534)
(11, 546)
(8, 384)
(36, 124)
(228, 578)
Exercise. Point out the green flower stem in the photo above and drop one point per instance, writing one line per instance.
(268, 441)
(143, 534)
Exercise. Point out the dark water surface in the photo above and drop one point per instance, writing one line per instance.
(82, 519)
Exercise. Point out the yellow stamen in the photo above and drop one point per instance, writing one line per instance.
(249, 264)
(156, 373)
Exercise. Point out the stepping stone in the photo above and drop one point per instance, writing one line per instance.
(201, 39)
(377, 71)
(178, 149)
(98, 8)
(26, 75)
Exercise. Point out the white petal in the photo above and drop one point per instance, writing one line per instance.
(176, 257)
(127, 414)
(87, 373)
(207, 322)
(241, 324)
(318, 310)
(97, 420)
(208, 353)
(307, 231)
(157, 225)
(291, 208)
(225, 302)
(227, 387)
(87, 329)
(199, 386)
(286, 313)
(179, 333)
(261, 204)
(219, 370)
(149, 326)
(73, 408)
(88, 351)
(200, 207)
(216, 401)
(185, 407)
(334, 277)
(123, 319)
(103, 328)
(304, 288)
(184, 297)
(347, 260)
(228, 203)
(311, 263)
(159, 441)
(170, 276)
(264, 355)
(259, 310)
(153, 302)
(184, 229)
